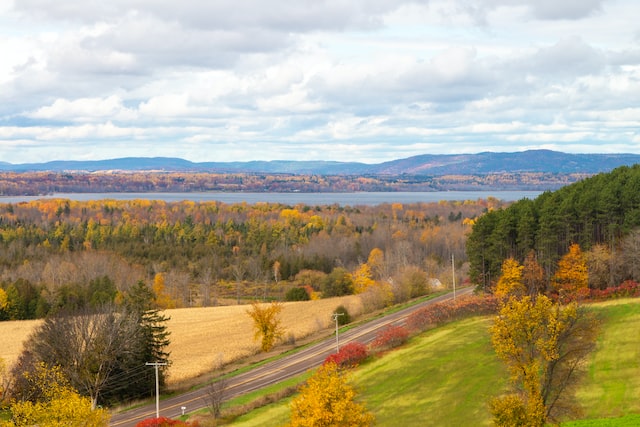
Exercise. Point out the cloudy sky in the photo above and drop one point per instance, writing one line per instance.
(364, 80)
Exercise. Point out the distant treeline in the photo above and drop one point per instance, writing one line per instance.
(600, 213)
(40, 183)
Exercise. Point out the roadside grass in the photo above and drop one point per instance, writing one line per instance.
(443, 377)
(446, 376)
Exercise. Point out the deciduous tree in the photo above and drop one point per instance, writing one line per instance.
(533, 275)
(510, 282)
(87, 345)
(59, 404)
(267, 323)
(328, 400)
(544, 346)
(572, 274)
(362, 279)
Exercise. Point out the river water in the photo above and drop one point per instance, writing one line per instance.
(342, 199)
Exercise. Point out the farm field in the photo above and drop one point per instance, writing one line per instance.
(202, 339)
(14, 333)
(446, 376)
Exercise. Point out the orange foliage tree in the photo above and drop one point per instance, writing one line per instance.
(572, 274)
(533, 275)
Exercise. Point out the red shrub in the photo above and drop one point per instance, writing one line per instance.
(349, 356)
(164, 422)
(390, 337)
(447, 311)
(628, 289)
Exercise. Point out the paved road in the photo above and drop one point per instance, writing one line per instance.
(275, 371)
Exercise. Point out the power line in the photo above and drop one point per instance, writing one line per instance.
(156, 364)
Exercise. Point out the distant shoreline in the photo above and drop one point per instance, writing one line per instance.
(293, 198)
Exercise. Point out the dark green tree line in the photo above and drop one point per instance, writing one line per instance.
(600, 210)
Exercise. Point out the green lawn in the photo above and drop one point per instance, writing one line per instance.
(446, 376)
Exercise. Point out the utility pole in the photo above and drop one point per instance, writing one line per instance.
(453, 273)
(156, 364)
(335, 317)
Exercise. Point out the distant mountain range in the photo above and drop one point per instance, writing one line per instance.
(532, 161)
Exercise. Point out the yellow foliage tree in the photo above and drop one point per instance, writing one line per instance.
(510, 282)
(59, 405)
(267, 323)
(543, 346)
(327, 400)
(376, 263)
(163, 299)
(362, 279)
(4, 300)
(572, 274)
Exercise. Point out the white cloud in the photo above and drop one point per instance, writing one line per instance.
(369, 80)
(85, 109)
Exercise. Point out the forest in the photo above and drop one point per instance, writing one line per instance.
(599, 214)
(60, 254)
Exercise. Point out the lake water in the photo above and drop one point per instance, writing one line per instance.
(343, 199)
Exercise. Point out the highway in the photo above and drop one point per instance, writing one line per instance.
(275, 371)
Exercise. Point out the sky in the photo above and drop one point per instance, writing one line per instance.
(342, 80)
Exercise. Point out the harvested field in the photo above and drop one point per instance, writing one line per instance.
(202, 339)
(14, 333)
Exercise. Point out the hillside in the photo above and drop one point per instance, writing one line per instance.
(434, 379)
(532, 161)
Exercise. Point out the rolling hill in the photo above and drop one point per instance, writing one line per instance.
(543, 161)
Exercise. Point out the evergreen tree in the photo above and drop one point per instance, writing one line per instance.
(154, 336)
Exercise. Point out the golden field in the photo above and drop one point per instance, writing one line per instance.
(202, 339)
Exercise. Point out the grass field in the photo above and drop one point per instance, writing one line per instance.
(612, 387)
(446, 376)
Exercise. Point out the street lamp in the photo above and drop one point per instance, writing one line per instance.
(335, 317)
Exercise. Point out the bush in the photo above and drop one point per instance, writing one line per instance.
(337, 283)
(448, 311)
(628, 289)
(349, 356)
(390, 337)
(297, 294)
(344, 318)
